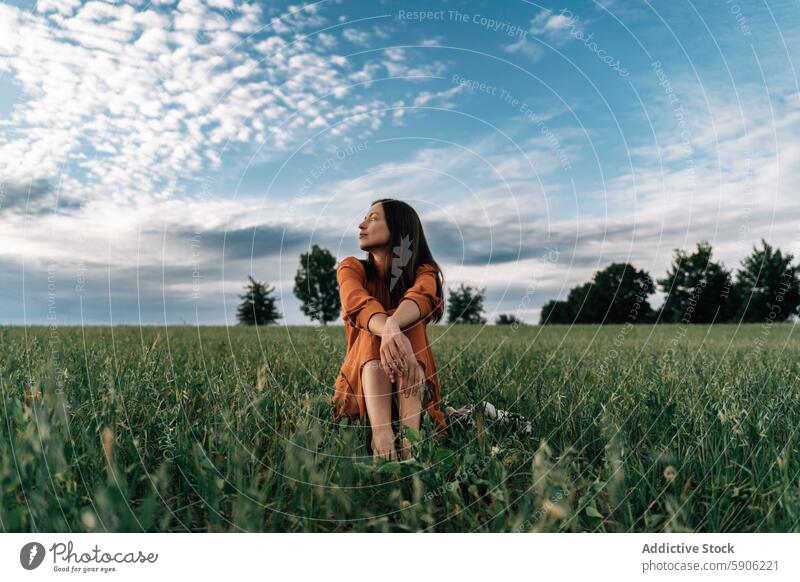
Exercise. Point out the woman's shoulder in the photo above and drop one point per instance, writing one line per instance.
(426, 268)
(352, 262)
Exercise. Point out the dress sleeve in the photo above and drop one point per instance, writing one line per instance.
(358, 306)
(423, 291)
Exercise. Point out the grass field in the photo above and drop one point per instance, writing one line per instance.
(666, 428)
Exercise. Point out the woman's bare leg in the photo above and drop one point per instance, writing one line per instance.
(410, 411)
(378, 398)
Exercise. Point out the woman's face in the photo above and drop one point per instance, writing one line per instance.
(373, 230)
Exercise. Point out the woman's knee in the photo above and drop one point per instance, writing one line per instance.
(371, 371)
(372, 364)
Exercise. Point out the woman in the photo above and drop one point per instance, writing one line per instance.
(387, 301)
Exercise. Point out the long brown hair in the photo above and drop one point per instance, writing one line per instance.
(409, 250)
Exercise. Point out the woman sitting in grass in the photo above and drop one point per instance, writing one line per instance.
(387, 301)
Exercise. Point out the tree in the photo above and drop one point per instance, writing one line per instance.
(767, 285)
(258, 304)
(316, 287)
(579, 308)
(505, 319)
(556, 312)
(697, 289)
(465, 305)
(617, 294)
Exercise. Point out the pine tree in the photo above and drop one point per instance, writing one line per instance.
(768, 285)
(258, 304)
(697, 289)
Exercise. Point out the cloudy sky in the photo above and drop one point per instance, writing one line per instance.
(155, 153)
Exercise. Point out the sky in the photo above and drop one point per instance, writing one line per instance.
(153, 154)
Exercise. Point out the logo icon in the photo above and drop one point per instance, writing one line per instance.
(31, 555)
(402, 254)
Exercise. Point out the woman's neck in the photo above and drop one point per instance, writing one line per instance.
(378, 257)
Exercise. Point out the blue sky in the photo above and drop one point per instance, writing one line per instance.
(153, 154)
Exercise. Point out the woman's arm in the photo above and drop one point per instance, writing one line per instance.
(419, 300)
(417, 304)
(378, 323)
(365, 312)
(360, 308)
(407, 313)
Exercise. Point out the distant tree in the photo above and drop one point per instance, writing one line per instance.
(768, 285)
(697, 289)
(578, 306)
(258, 304)
(617, 294)
(465, 305)
(505, 319)
(556, 312)
(316, 287)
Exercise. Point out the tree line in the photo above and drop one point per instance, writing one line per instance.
(697, 289)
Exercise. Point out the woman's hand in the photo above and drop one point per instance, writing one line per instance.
(395, 351)
(412, 382)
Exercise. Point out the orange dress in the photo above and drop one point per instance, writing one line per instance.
(360, 301)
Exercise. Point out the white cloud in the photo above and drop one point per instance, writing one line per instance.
(399, 63)
(328, 41)
(65, 7)
(527, 48)
(437, 41)
(359, 37)
(557, 22)
(554, 26)
(152, 40)
(221, 4)
(109, 79)
(438, 98)
(548, 21)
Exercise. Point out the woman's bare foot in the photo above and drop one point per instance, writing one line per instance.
(383, 448)
(405, 450)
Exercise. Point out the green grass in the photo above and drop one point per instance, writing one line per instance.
(664, 428)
